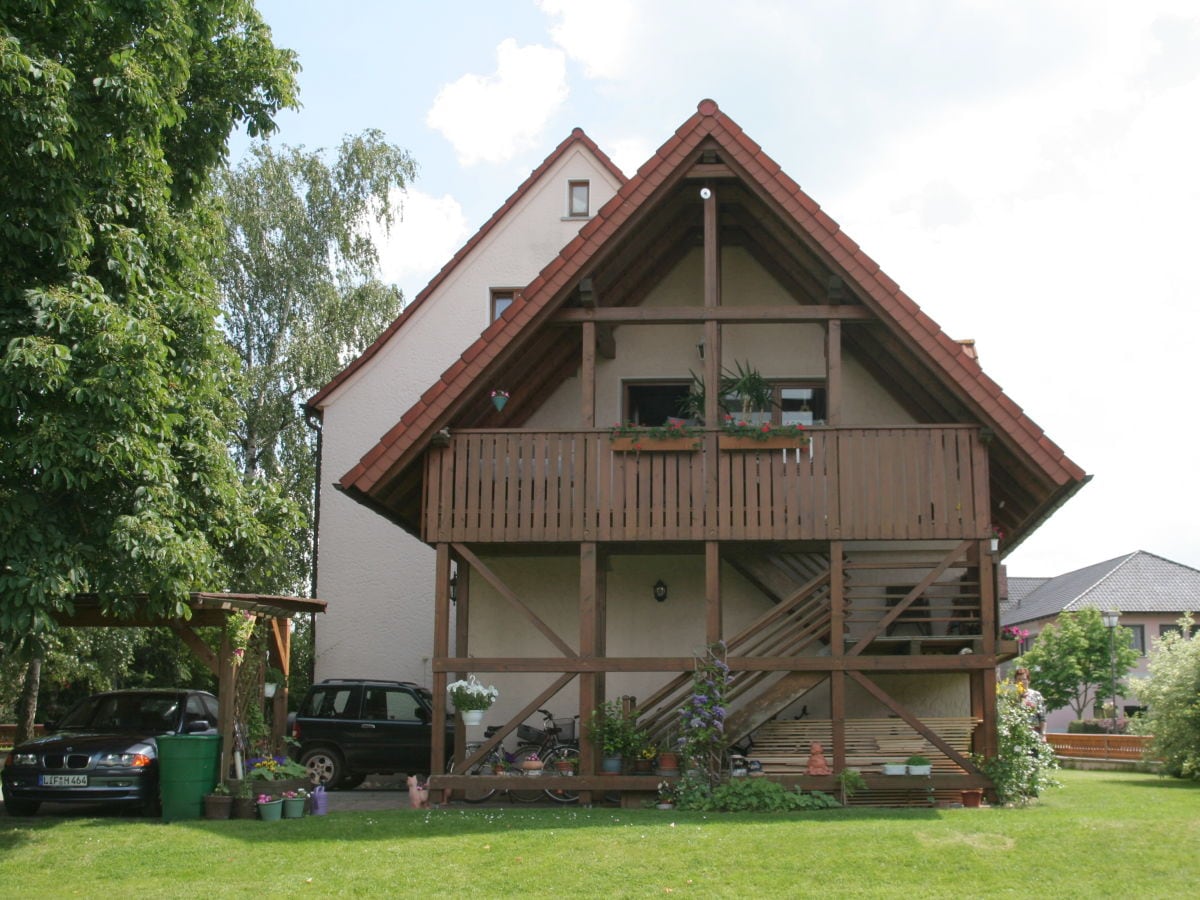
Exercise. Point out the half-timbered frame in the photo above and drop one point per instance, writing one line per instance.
(855, 575)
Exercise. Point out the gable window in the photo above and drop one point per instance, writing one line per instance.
(501, 300)
(578, 199)
(653, 403)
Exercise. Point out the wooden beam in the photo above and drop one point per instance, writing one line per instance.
(526, 711)
(694, 315)
(462, 636)
(441, 650)
(920, 727)
(503, 590)
(587, 377)
(899, 664)
(199, 649)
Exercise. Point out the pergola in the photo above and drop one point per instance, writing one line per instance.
(212, 609)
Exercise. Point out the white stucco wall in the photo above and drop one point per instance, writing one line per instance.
(377, 579)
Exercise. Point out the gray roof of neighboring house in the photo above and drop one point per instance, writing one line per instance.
(1139, 582)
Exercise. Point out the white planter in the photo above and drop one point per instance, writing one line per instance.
(895, 769)
(472, 716)
(920, 770)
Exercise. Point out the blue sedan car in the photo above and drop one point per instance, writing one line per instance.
(104, 750)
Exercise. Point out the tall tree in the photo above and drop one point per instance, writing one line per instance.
(1172, 693)
(115, 415)
(1070, 661)
(300, 292)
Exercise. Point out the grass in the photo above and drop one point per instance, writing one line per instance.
(1104, 834)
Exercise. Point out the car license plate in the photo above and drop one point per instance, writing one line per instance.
(63, 781)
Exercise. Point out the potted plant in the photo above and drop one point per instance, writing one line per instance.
(472, 699)
(294, 803)
(218, 803)
(644, 756)
(751, 389)
(895, 769)
(532, 764)
(615, 734)
(668, 795)
(270, 807)
(283, 773)
(919, 765)
(675, 435)
(244, 805)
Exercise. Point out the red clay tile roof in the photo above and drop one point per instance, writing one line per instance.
(575, 138)
(536, 303)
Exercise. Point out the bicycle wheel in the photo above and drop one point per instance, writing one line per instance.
(562, 752)
(530, 795)
(474, 794)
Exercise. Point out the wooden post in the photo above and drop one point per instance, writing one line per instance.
(587, 377)
(441, 649)
(279, 656)
(462, 626)
(226, 687)
(591, 644)
(833, 372)
(837, 650)
(714, 629)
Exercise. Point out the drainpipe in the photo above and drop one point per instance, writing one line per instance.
(313, 420)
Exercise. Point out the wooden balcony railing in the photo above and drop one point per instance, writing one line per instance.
(919, 483)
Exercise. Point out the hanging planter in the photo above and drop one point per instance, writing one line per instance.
(499, 398)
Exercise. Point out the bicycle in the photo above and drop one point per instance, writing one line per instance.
(551, 747)
(495, 762)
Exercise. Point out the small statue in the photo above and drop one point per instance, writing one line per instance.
(816, 761)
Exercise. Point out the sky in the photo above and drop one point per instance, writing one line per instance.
(1027, 170)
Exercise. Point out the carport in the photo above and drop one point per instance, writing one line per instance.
(212, 610)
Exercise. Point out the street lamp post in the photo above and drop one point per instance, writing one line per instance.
(1110, 619)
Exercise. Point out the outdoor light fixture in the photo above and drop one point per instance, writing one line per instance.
(1110, 619)
(705, 193)
(700, 348)
(660, 590)
(454, 588)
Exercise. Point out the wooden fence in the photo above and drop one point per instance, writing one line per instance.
(1099, 746)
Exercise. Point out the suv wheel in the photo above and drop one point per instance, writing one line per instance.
(324, 766)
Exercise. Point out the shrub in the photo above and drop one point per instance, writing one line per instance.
(749, 795)
(1172, 693)
(1022, 768)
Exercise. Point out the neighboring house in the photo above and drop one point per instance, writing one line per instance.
(1150, 592)
(851, 580)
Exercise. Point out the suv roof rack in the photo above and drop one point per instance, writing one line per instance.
(366, 681)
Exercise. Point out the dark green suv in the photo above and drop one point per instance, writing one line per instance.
(347, 728)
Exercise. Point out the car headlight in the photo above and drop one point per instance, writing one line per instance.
(24, 759)
(136, 757)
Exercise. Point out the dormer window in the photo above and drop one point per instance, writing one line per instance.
(578, 199)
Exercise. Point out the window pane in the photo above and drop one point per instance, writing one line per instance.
(1139, 638)
(501, 300)
(578, 204)
(653, 404)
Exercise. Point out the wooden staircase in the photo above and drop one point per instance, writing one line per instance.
(798, 624)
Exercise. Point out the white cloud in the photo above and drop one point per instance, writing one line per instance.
(629, 153)
(492, 118)
(432, 230)
(594, 34)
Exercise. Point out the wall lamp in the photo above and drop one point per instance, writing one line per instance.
(660, 590)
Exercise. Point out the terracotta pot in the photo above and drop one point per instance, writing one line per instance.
(972, 798)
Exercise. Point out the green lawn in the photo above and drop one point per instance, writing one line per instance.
(1104, 834)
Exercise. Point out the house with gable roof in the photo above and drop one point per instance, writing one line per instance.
(845, 572)
(1150, 593)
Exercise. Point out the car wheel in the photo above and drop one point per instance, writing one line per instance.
(21, 807)
(324, 766)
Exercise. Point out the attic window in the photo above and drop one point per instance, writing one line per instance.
(501, 299)
(578, 199)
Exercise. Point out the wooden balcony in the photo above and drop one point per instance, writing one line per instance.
(913, 483)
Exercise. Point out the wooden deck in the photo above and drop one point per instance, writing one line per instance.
(914, 483)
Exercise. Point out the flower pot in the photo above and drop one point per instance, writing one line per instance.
(770, 442)
(472, 716)
(244, 808)
(293, 807)
(533, 767)
(643, 766)
(664, 806)
(218, 806)
(654, 445)
(668, 763)
(271, 812)
(895, 769)
(498, 401)
(972, 797)
(611, 765)
(920, 770)
(564, 767)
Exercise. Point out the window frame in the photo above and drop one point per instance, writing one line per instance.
(572, 210)
(496, 294)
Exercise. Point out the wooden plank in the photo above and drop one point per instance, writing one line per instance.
(694, 315)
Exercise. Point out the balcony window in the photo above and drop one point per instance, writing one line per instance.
(653, 403)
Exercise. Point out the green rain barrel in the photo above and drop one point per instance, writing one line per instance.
(187, 770)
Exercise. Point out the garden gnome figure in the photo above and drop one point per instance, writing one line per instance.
(816, 761)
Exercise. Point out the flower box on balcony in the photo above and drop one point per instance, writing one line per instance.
(769, 442)
(654, 445)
